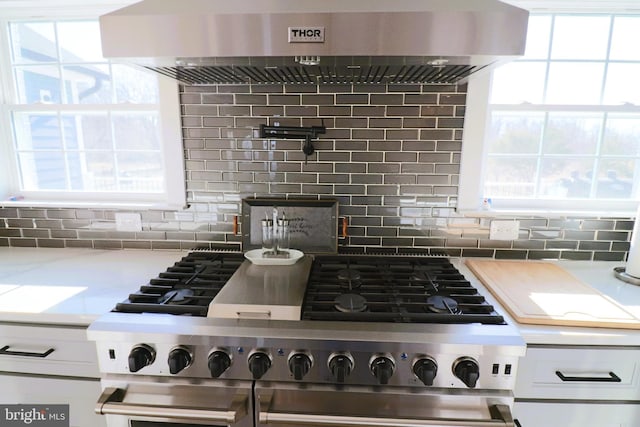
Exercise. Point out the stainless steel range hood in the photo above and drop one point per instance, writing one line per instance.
(315, 41)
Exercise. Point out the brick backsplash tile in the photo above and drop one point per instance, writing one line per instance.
(8, 212)
(316, 99)
(436, 134)
(597, 224)
(401, 134)
(20, 223)
(620, 246)
(10, 232)
(78, 243)
(452, 99)
(370, 88)
(32, 213)
(609, 256)
(620, 236)
(64, 234)
(352, 98)
(368, 111)
(310, 111)
(624, 225)
(576, 255)
(266, 88)
(284, 99)
(390, 156)
(594, 246)
(385, 122)
(217, 99)
(510, 254)
(371, 134)
(25, 243)
(423, 122)
(383, 168)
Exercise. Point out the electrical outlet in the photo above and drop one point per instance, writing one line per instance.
(128, 222)
(504, 230)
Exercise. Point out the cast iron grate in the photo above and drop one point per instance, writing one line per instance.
(187, 287)
(396, 289)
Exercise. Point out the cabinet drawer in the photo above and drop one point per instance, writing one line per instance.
(49, 350)
(556, 372)
(534, 414)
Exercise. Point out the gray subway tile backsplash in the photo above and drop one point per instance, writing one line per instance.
(391, 156)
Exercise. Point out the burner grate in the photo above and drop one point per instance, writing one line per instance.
(202, 273)
(398, 289)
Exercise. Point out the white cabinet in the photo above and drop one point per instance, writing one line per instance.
(43, 364)
(567, 414)
(79, 394)
(578, 386)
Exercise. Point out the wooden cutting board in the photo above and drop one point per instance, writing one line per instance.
(542, 293)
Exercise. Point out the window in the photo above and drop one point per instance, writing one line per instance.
(562, 129)
(82, 129)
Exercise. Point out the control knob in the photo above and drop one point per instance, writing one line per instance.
(179, 358)
(259, 364)
(299, 365)
(425, 369)
(218, 361)
(340, 366)
(467, 370)
(382, 368)
(140, 356)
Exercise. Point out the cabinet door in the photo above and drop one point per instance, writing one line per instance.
(80, 395)
(546, 414)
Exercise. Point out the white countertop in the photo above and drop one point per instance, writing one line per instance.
(72, 286)
(75, 286)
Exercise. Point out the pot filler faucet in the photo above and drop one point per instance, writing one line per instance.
(289, 132)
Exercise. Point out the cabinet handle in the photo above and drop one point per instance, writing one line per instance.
(5, 350)
(500, 417)
(111, 402)
(612, 378)
(343, 224)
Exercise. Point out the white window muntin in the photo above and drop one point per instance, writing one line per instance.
(169, 128)
(477, 129)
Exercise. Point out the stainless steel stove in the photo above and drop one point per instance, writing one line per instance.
(332, 340)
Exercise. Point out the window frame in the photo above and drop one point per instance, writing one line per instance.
(174, 196)
(476, 143)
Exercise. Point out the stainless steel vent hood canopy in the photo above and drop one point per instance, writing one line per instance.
(315, 41)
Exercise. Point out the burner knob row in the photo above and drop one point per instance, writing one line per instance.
(340, 364)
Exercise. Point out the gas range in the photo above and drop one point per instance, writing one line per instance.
(408, 289)
(405, 325)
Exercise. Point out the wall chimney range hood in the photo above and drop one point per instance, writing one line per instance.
(201, 42)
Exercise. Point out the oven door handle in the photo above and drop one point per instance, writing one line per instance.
(500, 417)
(111, 403)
